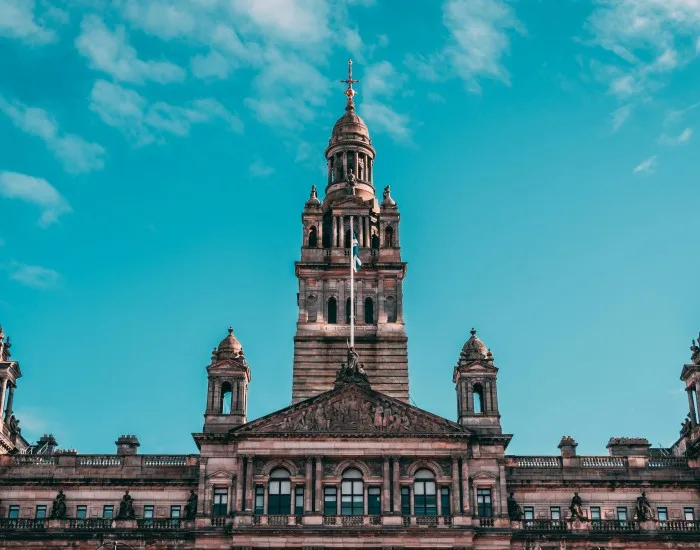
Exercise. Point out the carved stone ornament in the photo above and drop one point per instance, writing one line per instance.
(352, 408)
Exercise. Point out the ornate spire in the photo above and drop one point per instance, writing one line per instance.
(350, 93)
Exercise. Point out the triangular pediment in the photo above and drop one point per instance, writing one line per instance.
(352, 409)
(351, 201)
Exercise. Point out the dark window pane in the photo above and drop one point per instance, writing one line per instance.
(528, 513)
(13, 512)
(81, 511)
(483, 503)
(259, 500)
(445, 501)
(299, 500)
(374, 501)
(330, 501)
(40, 512)
(175, 512)
(108, 511)
(405, 501)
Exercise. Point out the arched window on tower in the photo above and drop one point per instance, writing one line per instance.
(225, 402)
(389, 237)
(425, 494)
(352, 494)
(369, 311)
(279, 500)
(478, 398)
(332, 311)
(313, 237)
(390, 306)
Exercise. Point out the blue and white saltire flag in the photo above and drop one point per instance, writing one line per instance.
(356, 263)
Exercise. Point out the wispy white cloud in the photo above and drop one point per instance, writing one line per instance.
(683, 137)
(76, 154)
(646, 166)
(258, 169)
(145, 123)
(479, 40)
(33, 276)
(18, 19)
(620, 116)
(109, 51)
(36, 191)
(380, 84)
(678, 115)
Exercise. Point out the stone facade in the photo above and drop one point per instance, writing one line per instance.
(350, 464)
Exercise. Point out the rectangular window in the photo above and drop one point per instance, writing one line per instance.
(81, 511)
(259, 500)
(622, 514)
(445, 501)
(595, 513)
(148, 514)
(405, 501)
(13, 512)
(374, 501)
(40, 511)
(299, 500)
(662, 513)
(483, 503)
(175, 511)
(528, 513)
(689, 514)
(330, 501)
(108, 511)
(220, 507)
(279, 498)
(352, 498)
(425, 498)
(555, 513)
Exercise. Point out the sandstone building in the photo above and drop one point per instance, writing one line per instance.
(350, 464)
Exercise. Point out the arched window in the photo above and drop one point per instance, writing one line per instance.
(369, 311)
(348, 311)
(332, 311)
(425, 494)
(311, 308)
(478, 398)
(280, 490)
(389, 237)
(225, 400)
(313, 237)
(390, 305)
(375, 241)
(352, 494)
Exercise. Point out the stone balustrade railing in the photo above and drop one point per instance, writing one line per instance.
(99, 461)
(165, 460)
(600, 462)
(603, 462)
(534, 461)
(668, 462)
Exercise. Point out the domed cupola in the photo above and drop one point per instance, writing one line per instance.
(229, 348)
(350, 155)
(475, 380)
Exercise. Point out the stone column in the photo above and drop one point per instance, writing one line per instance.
(381, 302)
(386, 488)
(334, 239)
(239, 485)
(411, 500)
(397, 487)
(691, 406)
(455, 485)
(465, 486)
(10, 397)
(487, 397)
(470, 397)
(2, 397)
(368, 234)
(399, 301)
(249, 483)
(341, 304)
(502, 490)
(319, 485)
(697, 392)
(308, 487)
(360, 233)
(319, 234)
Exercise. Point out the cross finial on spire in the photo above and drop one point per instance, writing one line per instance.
(350, 93)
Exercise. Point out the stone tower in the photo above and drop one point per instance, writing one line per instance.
(475, 380)
(323, 326)
(11, 440)
(227, 393)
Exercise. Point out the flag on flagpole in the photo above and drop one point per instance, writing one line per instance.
(356, 263)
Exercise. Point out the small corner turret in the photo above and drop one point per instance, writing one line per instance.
(11, 440)
(227, 394)
(475, 380)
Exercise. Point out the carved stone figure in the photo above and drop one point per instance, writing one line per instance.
(58, 508)
(387, 192)
(351, 178)
(576, 508)
(314, 194)
(191, 506)
(14, 425)
(515, 513)
(126, 507)
(354, 365)
(644, 511)
(361, 168)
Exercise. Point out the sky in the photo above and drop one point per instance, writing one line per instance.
(155, 157)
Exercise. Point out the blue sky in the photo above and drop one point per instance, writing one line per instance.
(155, 157)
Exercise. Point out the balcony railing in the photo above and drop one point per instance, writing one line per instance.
(603, 462)
(165, 460)
(34, 460)
(166, 524)
(544, 525)
(22, 524)
(99, 460)
(680, 525)
(90, 524)
(668, 462)
(278, 519)
(535, 461)
(614, 525)
(221, 521)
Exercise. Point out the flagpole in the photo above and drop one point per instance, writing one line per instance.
(352, 287)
